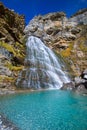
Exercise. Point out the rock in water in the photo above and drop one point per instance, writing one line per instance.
(42, 68)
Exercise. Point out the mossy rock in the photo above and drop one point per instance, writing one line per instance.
(13, 68)
(67, 52)
(16, 50)
(4, 78)
(8, 47)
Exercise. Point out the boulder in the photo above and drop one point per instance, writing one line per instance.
(68, 86)
(79, 84)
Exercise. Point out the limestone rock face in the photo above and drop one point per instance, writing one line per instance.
(67, 37)
(80, 17)
(5, 73)
(52, 28)
(11, 24)
(11, 33)
(12, 46)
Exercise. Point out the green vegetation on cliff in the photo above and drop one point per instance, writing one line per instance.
(12, 45)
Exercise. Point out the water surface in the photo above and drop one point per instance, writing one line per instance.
(46, 110)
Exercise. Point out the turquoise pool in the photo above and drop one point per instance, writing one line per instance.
(46, 110)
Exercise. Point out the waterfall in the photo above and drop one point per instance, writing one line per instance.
(42, 67)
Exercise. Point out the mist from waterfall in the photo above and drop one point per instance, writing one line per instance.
(42, 67)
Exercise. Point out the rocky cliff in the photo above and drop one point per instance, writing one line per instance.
(67, 37)
(12, 48)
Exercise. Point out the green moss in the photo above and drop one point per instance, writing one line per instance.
(13, 68)
(17, 68)
(17, 50)
(4, 78)
(1, 78)
(8, 47)
(83, 47)
(67, 51)
(9, 79)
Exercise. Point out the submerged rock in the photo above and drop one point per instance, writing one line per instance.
(5, 124)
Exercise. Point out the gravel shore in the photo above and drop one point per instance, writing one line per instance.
(5, 124)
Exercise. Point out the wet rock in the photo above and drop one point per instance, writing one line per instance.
(68, 86)
(79, 84)
(81, 89)
(84, 74)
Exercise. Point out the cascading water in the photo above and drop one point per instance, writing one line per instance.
(42, 68)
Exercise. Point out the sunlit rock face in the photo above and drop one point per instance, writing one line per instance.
(67, 36)
(12, 47)
(42, 67)
(80, 17)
